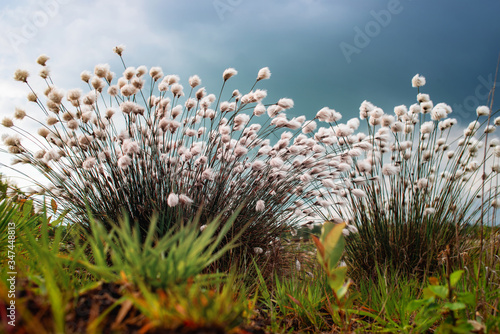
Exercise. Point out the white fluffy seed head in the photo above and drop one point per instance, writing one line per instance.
(377, 113)
(415, 109)
(387, 120)
(423, 97)
(474, 126)
(285, 103)
(483, 111)
(240, 151)
(156, 73)
(400, 110)
(119, 49)
(89, 163)
(101, 70)
(353, 123)
(44, 132)
(228, 73)
(497, 151)
(365, 108)
(438, 113)
(397, 127)
(418, 81)
(328, 115)
(276, 162)
(426, 107)
(359, 193)
(259, 110)
(124, 162)
(19, 113)
(423, 183)
(309, 127)
(177, 90)
(172, 199)
(489, 129)
(141, 70)
(258, 250)
(390, 169)
(495, 203)
(429, 211)
(364, 166)
(42, 59)
(264, 73)
(260, 206)
(258, 165)
(51, 120)
(494, 142)
(85, 76)
(194, 81)
(427, 127)
(184, 199)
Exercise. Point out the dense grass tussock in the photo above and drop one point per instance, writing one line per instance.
(142, 145)
(422, 185)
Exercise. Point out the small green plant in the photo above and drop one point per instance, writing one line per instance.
(46, 272)
(382, 302)
(296, 301)
(330, 247)
(217, 304)
(301, 301)
(442, 301)
(179, 254)
(15, 218)
(265, 299)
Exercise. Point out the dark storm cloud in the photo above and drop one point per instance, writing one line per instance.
(321, 53)
(340, 53)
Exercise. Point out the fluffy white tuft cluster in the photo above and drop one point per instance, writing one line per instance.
(206, 150)
(133, 138)
(396, 165)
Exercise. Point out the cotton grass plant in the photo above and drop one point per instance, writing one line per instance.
(142, 144)
(416, 186)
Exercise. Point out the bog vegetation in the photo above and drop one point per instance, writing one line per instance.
(160, 208)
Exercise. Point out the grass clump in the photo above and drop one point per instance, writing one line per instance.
(144, 144)
(417, 186)
(158, 283)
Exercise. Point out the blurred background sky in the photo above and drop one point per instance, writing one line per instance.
(320, 52)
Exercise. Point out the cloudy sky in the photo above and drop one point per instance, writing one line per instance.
(320, 52)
